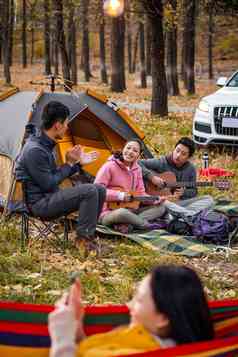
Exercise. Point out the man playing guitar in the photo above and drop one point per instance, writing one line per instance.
(178, 162)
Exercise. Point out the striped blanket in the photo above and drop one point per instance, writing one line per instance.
(161, 240)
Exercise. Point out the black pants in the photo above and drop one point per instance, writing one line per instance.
(87, 198)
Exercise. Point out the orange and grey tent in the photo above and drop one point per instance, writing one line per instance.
(98, 125)
(24, 333)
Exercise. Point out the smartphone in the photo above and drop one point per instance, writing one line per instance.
(73, 276)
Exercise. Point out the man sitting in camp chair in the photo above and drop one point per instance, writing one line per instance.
(36, 167)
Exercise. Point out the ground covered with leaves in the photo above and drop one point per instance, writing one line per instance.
(41, 272)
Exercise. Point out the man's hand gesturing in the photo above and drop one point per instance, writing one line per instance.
(78, 155)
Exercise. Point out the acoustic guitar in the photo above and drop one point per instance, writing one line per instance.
(134, 200)
(170, 184)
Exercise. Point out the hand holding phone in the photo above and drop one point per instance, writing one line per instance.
(74, 301)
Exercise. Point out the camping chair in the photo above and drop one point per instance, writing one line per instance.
(24, 332)
(44, 227)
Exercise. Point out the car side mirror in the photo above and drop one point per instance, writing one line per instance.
(221, 81)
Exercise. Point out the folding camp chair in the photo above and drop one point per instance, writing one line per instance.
(44, 227)
(24, 333)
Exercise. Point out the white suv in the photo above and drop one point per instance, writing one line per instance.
(216, 118)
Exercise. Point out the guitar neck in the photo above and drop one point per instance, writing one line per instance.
(170, 182)
(145, 198)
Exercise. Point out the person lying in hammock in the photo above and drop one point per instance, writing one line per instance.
(169, 308)
(122, 170)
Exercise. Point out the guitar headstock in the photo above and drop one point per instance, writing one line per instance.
(222, 185)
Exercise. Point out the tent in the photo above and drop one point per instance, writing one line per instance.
(98, 125)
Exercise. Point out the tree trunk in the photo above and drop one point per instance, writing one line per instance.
(24, 39)
(69, 36)
(103, 52)
(136, 40)
(12, 17)
(159, 104)
(32, 45)
(54, 50)
(81, 65)
(129, 42)
(56, 59)
(1, 33)
(5, 21)
(74, 67)
(172, 73)
(142, 55)
(72, 45)
(182, 64)
(210, 41)
(85, 41)
(103, 67)
(60, 37)
(118, 82)
(189, 45)
(47, 37)
(148, 48)
(129, 51)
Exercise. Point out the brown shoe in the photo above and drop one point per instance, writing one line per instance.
(88, 244)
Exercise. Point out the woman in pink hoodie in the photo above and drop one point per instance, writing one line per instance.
(122, 171)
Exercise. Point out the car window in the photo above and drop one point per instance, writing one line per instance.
(234, 81)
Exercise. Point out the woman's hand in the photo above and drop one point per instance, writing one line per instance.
(75, 303)
(66, 321)
(127, 197)
(62, 327)
(159, 201)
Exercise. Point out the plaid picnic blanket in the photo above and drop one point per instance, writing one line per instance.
(228, 207)
(161, 240)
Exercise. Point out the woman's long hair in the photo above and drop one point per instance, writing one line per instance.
(178, 293)
(118, 154)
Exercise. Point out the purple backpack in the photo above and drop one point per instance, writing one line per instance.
(211, 227)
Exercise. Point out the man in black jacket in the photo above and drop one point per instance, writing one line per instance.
(36, 167)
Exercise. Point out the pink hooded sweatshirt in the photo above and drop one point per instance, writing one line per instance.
(115, 174)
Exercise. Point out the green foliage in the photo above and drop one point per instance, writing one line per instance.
(171, 16)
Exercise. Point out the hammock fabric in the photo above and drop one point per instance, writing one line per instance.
(24, 333)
